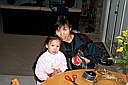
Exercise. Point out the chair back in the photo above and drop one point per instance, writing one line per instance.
(15, 81)
(34, 66)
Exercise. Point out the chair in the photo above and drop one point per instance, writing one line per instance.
(15, 81)
(34, 66)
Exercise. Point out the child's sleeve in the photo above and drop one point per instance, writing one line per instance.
(42, 69)
(63, 64)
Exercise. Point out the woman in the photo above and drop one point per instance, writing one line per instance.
(74, 44)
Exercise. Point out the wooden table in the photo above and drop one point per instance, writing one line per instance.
(60, 78)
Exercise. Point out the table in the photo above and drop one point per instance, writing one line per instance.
(60, 78)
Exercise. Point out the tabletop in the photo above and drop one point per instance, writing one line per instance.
(60, 78)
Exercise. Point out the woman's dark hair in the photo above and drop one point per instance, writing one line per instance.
(49, 39)
(61, 21)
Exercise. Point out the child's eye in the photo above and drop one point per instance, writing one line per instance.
(52, 45)
(58, 46)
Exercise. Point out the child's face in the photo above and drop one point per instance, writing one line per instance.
(53, 46)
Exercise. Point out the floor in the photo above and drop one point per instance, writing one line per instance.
(17, 53)
(23, 80)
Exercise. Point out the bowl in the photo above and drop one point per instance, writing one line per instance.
(89, 76)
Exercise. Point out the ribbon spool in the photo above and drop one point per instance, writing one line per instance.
(75, 61)
(89, 76)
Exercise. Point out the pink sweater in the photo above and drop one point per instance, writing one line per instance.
(47, 62)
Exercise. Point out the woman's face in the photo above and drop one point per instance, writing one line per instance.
(63, 32)
(53, 46)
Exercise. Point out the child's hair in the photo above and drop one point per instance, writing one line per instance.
(49, 39)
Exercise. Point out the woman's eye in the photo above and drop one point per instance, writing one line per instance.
(65, 29)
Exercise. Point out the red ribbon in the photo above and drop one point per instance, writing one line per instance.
(74, 77)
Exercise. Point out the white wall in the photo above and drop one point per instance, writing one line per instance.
(125, 21)
(104, 19)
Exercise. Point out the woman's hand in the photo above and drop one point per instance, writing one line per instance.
(80, 61)
(86, 60)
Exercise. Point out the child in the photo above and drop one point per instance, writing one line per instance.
(52, 61)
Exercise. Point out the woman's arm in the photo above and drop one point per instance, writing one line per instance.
(91, 53)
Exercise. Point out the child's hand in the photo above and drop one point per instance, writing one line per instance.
(56, 71)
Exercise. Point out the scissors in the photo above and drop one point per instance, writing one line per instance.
(74, 77)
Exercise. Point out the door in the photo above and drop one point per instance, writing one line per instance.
(114, 23)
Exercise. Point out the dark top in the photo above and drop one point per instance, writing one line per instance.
(84, 44)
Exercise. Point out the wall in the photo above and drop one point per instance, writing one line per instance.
(78, 3)
(105, 13)
(3, 1)
(125, 22)
(1, 24)
(18, 2)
